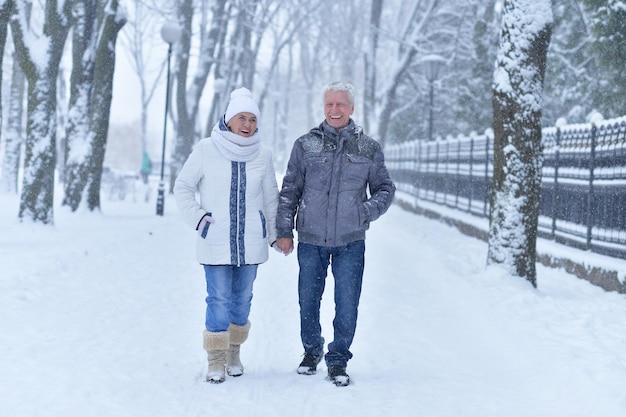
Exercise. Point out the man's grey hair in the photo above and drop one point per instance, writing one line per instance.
(340, 86)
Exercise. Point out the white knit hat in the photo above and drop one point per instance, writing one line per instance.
(241, 101)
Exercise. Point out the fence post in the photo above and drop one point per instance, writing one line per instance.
(590, 195)
(471, 173)
(446, 173)
(418, 175)
(458, 171)
(414, 167)
(436, 170)
(427, 172)
(486, 199)
(555, 191)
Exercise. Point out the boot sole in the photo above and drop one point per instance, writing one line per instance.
(341, 381)
(235, 375)
(215, 381)
(306, 371)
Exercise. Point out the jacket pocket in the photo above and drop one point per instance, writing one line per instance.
(355, 172)
(205, 230)
(317, 171)
(263, 224)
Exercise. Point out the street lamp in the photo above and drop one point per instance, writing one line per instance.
(432, 65)
(170, 32)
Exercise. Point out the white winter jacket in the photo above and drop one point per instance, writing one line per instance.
(242, 198)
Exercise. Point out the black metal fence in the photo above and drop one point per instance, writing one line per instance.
(583, 202)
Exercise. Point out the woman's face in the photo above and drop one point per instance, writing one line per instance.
(243, 124)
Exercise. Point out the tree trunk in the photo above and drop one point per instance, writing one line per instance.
(111, 22)
(79, 141)
(308, 56)
(369, 94)
(475, 88)
(411, 36)
(37, 199)
(187, 100)
(95, 35)
(516, 186)
(5, 14)
(13, 131)
(219, 84)
(138, 43)
(390, 95)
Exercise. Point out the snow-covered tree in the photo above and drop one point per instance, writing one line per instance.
(608, 48)
(422, 29)
(189, 93)
(369, 90)
(11, 117)
(96, 27)
(517, 105)
(39, 43)
(283, 36)
(472, 110)
(78, 144)
(236, 58)
(571, 74)
(274, 93)
(309, 66)
(13, 130)
(230, 50)
(140, 40)
(5, 13)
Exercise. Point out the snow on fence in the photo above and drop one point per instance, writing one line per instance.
(583, 201)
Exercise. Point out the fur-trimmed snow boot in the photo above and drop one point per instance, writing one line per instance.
(238, 335)
(216, 344)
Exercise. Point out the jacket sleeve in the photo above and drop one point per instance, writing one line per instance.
(186, 186)
(270, 197)
(381, 187)
(290, 193)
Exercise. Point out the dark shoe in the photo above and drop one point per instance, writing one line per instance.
(308, 366)
(338, 376)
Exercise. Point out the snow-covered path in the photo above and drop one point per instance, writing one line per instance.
(102, 316)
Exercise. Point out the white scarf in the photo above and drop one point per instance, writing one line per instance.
(235, 147)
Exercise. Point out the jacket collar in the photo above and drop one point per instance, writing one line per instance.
(347, 130)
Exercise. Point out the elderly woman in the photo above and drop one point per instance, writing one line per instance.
(234, 176)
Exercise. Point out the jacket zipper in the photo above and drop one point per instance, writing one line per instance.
(238, 214)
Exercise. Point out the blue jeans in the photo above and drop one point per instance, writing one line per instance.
(229, 289)
(347, 263)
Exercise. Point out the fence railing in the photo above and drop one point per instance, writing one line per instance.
(583, 199)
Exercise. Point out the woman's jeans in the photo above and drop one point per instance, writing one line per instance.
(229, 289)
(347, 263)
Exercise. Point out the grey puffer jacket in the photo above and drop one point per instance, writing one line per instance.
(326, 186)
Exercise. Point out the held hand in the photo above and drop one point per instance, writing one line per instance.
(276, 248)
(203, 226)
(285, 244)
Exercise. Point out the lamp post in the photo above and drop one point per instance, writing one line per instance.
(432, 66)
(170, 32)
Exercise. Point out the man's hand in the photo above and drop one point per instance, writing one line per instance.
(285, 244)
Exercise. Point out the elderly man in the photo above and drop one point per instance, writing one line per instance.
(325, 189)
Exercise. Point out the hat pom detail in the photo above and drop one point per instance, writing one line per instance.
(240, 92)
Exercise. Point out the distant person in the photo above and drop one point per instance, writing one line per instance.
(330, 172)
(146, 167)
(235, 219)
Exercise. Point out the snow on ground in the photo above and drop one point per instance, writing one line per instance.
(102, 315)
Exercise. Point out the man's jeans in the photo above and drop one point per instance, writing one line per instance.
(229, 290)
(347, 263)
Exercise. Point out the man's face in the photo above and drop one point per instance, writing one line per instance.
(337, 108)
